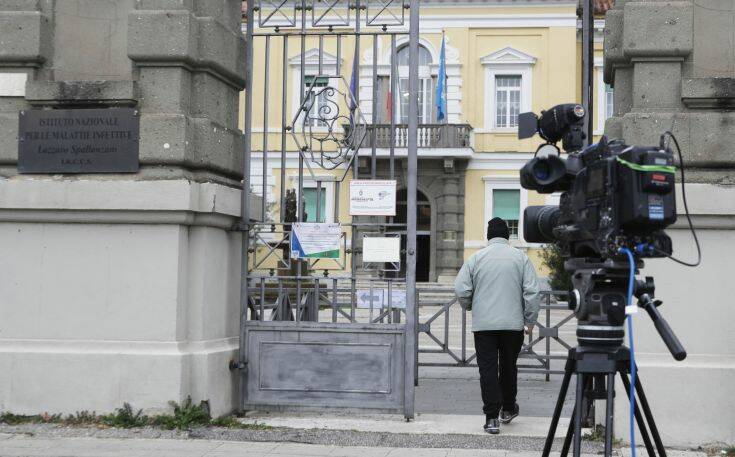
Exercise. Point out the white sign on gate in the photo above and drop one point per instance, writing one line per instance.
(380, 298)
(364, 298)
(370, 197)
(397, 299)
(315, 241)
(376, 249)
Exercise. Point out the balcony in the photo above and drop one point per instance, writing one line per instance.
(440, 136)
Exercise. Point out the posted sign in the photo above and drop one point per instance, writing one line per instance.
(315, 241)
(376, 249)
(370, 197)
(378, 298)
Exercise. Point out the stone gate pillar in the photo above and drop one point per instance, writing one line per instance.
(122, 287)
(672, 64)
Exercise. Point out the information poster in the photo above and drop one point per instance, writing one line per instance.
(371, 197)
(315, 241)
(376, 249)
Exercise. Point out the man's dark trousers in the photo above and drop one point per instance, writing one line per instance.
(496, 392)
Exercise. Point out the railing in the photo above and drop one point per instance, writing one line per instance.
(445, 337)
(429, 135)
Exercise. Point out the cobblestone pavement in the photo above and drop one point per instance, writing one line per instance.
(27, 446)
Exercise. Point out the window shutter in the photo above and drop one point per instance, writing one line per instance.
(507, 204)
(310, 205)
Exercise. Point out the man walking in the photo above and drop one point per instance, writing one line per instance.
(500, 284)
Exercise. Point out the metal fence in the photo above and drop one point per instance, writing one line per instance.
(443, 334)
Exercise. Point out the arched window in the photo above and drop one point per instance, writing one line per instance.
(427, 113)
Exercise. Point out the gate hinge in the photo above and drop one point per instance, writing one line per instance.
(235, 365)
(240, 226)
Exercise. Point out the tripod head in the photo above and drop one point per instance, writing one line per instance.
(599, 297)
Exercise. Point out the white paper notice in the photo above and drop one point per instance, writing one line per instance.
(381, 249)
(371, 197)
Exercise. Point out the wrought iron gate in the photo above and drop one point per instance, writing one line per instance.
(306, 337)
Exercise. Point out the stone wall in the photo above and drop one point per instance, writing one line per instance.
(672, 65)
(180, 63)
(123, 287)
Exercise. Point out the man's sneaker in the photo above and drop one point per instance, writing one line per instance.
(492, 426)
(507, 416)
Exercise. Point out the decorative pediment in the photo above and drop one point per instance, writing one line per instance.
(311, 57)
(508, 55)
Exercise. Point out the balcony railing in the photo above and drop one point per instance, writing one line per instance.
(429, 135)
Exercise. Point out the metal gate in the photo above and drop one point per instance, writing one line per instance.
(306, 337)
(443, 326)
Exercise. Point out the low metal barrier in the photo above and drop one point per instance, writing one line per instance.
(536, 355)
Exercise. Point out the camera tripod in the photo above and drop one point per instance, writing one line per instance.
(600, 364)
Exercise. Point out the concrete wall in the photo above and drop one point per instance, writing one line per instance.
(672, 64)
(123, 288)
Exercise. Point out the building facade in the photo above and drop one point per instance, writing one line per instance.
(502, 58)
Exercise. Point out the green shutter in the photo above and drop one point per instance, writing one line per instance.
(507, 204)
(310, 204)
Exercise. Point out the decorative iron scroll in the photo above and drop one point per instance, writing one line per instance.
(319, 125)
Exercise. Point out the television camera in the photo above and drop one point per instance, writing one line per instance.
(615, 201)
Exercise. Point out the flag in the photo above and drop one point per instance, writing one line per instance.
(441, 81)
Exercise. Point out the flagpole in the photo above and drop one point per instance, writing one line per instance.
(446, 78)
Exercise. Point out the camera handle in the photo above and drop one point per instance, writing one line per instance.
(670, 339)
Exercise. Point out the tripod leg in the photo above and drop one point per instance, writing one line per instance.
(649, 418)
(576, 451)
(639, 417)
(568, 438)
(557, 409)
(609, 414)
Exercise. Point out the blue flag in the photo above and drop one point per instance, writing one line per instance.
(441, 81)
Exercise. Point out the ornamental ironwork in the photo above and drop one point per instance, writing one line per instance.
(328, 127)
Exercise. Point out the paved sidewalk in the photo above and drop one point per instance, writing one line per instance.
(424, 424)
(21, 445)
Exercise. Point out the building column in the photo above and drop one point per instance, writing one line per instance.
(671, 65)
(450, 225)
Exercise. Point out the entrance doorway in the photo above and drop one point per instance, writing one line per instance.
(423, 234)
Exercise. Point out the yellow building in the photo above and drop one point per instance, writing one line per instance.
(503, 57)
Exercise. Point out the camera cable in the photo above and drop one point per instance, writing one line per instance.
(686, 205)
(631, 309)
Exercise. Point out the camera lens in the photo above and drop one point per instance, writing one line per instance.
(542, 171)
(539, 223)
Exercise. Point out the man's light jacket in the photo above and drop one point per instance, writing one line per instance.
(500, 284)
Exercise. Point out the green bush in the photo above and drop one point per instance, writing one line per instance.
(17, 419)
(125, 417)
(185, 416)
(559, 278)
(83, 418)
